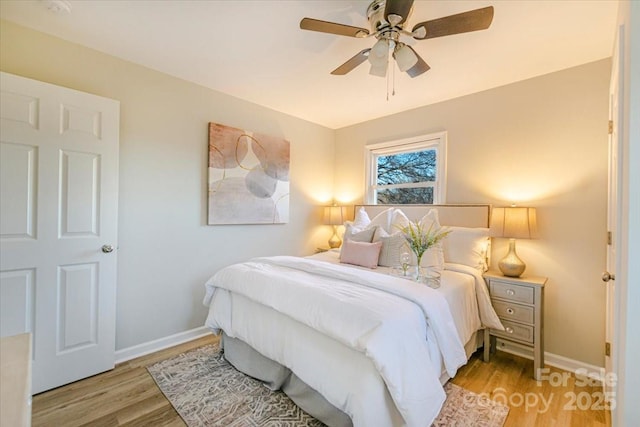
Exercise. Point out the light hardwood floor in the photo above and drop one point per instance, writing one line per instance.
(128, 396)
(125, 396)
(562, 400)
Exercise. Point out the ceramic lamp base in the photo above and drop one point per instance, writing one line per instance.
(335, 241)
(511, 265)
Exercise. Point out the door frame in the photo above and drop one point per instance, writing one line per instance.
(54, 269)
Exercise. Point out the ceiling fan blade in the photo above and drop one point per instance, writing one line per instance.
(419, 68)
(473, 20)
(352, 63)
(399, 11)
(332, 28)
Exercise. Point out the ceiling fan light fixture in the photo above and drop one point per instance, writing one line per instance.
(379, 55)
(378, 61)
(378, 70)
(380, 49)
(405, 57)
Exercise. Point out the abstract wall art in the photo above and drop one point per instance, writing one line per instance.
(248, 177)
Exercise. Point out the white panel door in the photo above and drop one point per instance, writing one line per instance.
(613, 219)
(58, 209)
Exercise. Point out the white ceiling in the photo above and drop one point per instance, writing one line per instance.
(254, 50)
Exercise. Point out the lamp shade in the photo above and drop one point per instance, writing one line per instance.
(514, 222)
(333, 215)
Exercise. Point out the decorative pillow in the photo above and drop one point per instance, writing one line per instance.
(358, 235)
(383, 219)
(362, 223)
(355, 235)
(398, 221)
(360, 253)
(361, 219)
(392, 246)
(434, 257)
(467, 246)
(430, 218)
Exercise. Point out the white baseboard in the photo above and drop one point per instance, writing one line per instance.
(561, 362)
(160, 344)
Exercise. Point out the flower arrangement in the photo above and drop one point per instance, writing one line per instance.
(420, 239)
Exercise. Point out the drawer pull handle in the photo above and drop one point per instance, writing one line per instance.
(509, 330)
(511, 292)
(510, 310)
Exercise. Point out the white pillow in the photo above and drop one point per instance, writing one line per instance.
(392, 246)
(361, 219)
(430, 218)
(434, 257)
(383, 219)
(360, 253)
(398, 221)
(467, 246)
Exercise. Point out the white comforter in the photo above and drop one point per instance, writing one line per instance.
(487, 315)
(389, 320)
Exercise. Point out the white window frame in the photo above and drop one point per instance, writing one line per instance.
(434, 141)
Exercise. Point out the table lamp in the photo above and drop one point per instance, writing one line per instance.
(513, 223)
(334, 215)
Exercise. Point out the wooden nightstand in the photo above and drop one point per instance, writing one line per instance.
(519, 302)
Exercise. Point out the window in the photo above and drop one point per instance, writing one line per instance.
(408, 171)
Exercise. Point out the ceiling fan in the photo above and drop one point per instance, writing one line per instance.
(387, 19)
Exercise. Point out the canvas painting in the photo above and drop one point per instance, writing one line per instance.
(248, 177)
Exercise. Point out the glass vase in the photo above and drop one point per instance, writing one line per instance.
(419, 272)
(432, 277)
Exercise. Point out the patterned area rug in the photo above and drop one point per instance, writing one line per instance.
(207, 391)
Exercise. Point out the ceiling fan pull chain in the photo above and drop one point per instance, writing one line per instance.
(388, 84)
(393, 87)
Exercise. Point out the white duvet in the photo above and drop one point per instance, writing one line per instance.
(393, 322)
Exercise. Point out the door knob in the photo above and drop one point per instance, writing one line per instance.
(107, 249)
(606, 276)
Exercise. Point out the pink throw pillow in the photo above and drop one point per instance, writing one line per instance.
(360, 253)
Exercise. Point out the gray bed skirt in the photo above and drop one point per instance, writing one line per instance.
(277, 377)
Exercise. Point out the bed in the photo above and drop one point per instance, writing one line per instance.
(353, 345)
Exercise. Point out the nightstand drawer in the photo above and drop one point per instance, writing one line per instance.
(513, 311)
(512, 292)
(515, 331)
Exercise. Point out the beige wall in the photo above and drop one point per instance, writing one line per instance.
(166, 252)
(540, 142)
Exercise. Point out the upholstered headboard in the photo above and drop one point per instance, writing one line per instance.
(453, 215)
